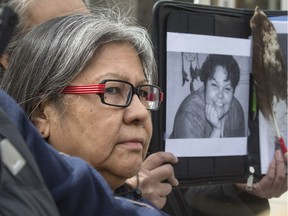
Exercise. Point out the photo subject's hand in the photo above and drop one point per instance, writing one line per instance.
(274, 183)
(211, 116)
(212, 119)
(156, 177)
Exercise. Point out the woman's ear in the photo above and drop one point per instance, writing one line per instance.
(41, 121)
(4, 60)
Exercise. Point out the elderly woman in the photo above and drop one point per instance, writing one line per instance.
(156, 176)
(86, 82)
(212, 110)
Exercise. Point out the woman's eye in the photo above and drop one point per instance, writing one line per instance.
(228, 89)
(143, 93)
(112, 90)
(214, 85)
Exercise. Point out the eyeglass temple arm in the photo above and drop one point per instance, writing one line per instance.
(152, 97)
(87, 89)
(98, 89)
(161, 96)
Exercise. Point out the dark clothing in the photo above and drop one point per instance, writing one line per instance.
(77, 188)
(22, 188)
(130, 192)
(214, 200)
(190, 120)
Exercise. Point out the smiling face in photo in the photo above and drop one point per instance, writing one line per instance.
(219, 92)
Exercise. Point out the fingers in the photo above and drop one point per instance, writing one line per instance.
(211, 116)
(160, 202)
(241, 186)
(280, 181)
(158, 195)
(165, 173)
(274, 183)
(157, 159)
(157, 177)
(164, 190)
(264, 188)
(270, 175)
(152, 186)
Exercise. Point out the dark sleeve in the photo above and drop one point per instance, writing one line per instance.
(189, 122)
(23, 190)
(185, 126)
(76, 187)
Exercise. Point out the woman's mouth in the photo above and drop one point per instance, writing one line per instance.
(218, 105)
(134, 145)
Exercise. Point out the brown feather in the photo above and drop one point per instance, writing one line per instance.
(270, 78)
(268, 68)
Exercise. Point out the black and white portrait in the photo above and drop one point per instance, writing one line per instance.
(208, 95)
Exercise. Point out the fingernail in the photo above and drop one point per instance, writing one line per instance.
(177, 182)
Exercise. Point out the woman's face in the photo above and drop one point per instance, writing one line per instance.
(219, 92)
(114, 140)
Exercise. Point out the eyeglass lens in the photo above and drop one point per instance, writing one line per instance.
(120, 93)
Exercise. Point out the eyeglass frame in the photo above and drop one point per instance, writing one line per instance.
(99, 89)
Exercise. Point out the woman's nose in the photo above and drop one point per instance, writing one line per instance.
(137, 103)
(220, 94)
(137, 110)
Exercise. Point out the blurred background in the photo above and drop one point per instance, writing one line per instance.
(142, 11)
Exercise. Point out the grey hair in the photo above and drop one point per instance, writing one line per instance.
(23, 9)
(20, 7)
(52, 54)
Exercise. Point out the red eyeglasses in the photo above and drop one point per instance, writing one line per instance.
(119, 93)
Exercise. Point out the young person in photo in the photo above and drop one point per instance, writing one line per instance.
(212, 111)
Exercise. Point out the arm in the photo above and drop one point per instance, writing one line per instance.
(189, 125)
(156, 177)
(190, 120)
(212, 118)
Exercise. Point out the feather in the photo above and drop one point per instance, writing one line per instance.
(270, 76)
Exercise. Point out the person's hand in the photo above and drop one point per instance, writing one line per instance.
(156, 177)
(274, 183)
(212, 116)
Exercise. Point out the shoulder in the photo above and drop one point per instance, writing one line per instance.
(194, 100)
(236, 106)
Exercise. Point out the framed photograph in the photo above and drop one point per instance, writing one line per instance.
(208, 118)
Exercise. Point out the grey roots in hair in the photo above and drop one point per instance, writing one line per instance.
(52, 54)
(25, 19)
